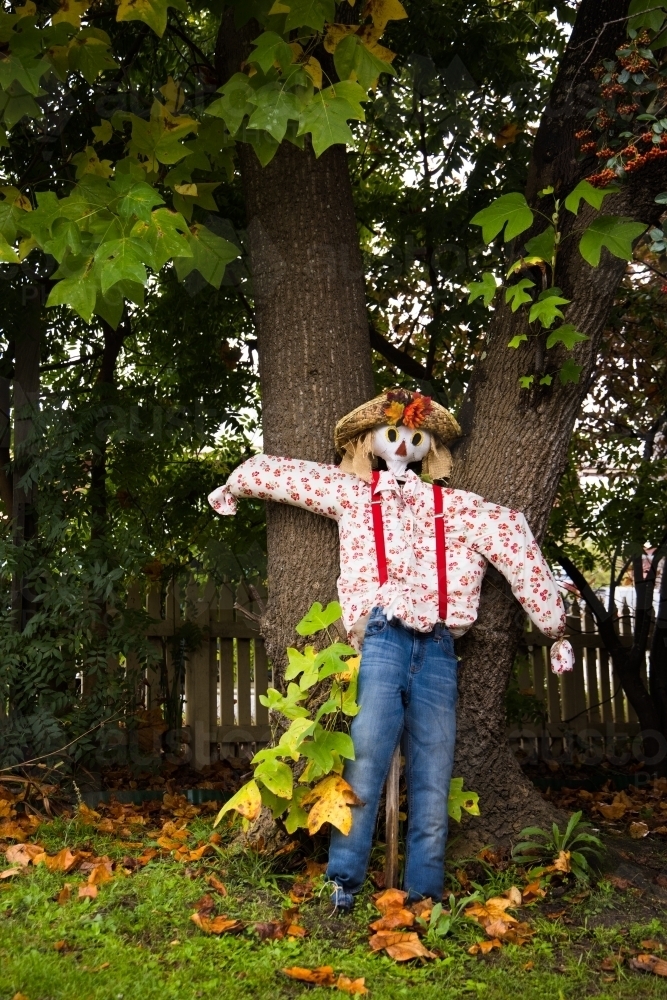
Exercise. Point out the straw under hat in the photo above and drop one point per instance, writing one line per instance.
(352, 435)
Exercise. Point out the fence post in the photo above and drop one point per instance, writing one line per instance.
(626, 633)
(243, 686)
(154, 609)
(197, 688)
(226, 605)
(591, 655)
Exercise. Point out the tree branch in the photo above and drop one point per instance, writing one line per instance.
(397, 357)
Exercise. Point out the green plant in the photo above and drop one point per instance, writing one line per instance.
(512, 214)
(442, 921)
(317, 738)
(573, 850)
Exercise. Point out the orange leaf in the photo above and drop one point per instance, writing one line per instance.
(393, 920)
(533, 891)
(508, 134)
(169, 843)
(216, 884)
(562, 863)
(351, 985)
(23, 854)
(87, 891)
(639, 830)
(63, 861)
(99, 875)
(399, 945)
(215, 838)
(315, 868)
(295, 930)
(218, 925)
(390, 899)
(323, 975)
(514, 896)
(19, 996)
(65, 894)
(484, 947)
(649, 963)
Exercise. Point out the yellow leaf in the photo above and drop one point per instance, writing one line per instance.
(507, 135)
(369, 37)
(381, 11)
(562, 862)
(88, 162)
(314, 71)
(279, 8)
(15, 198)
(71, 11)
(28, 10)
(173, 94)
(103, 132)
(26, 245)
(247, 802)
(333, 798)
(186, 189)
(347, 985)
(336, 33)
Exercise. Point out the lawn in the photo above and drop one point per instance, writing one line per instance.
(136, 940)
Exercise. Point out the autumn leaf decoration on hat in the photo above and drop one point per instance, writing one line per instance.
(407, 408)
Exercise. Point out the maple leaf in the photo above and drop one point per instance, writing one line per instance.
(87, 892)
(247, 802)
(510, 212)
(326, 116)
(321, 976)
(400, 945)
(70, 11)
(23, 854)
(383, 11)
(507, 134)
(216, 925)
(614, 233)
(352, 986)
(332, 799)
(151, 12)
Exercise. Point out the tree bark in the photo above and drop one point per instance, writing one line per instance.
(514, 448)
(313, 343)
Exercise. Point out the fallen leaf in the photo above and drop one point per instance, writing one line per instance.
(489, 856)
(99, 875)
(205, 906)
(8, 872)
(65, 894)
(529, 966)
(296, 930)
(619, 883)
(661, 880)
(301, 891)
(331, 798)
(554, 914)
(87, 891)
(611, 963)
(514, 895)
(649, 963)
(350, 985)
(651, 945)
(400, 945)
(169, 843)
(422, 908)
(393, 920)
(270, 930)
(218, 925)
(322, 976)
(23, 854)
(19, 996)
(215, 838)
(533, 891)
(147, 856)
(562, 863)
(63, 946)
(315, 868)
(638, 830)
(216, 884)
(484, 947)
(390, 899)
(462, 877)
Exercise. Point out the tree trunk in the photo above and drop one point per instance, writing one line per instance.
(514, 448)
(313, 342)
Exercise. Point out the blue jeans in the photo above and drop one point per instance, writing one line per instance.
(408, 688)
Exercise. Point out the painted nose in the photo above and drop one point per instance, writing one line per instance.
(402, 450)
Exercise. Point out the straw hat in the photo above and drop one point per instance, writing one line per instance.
(352, 435)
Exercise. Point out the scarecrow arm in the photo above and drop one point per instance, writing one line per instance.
(504, 538)
(322, 489)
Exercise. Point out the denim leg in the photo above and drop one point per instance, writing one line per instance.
(430, 733)
(376, 730)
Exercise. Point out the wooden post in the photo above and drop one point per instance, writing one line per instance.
(226, 665)
(197, 686)
(626, 633)
(243, 692)
(391, 825)
(591, 657)
(154, 609)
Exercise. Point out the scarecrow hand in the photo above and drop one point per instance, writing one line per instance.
(562, 656)
(222, 501)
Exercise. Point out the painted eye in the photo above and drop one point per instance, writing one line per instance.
(392, 434)
(416, 439)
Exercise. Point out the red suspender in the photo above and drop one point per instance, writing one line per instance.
(440, 547)
(440, 552)
(378, 529)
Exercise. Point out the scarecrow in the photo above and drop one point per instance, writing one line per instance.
(413, 554)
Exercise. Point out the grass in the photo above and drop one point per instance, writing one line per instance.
(136, 941)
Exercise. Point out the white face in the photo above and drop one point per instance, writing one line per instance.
(399, 446)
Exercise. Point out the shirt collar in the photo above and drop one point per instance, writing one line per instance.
(387, 483)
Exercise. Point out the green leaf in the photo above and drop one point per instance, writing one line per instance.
(339, 743)
(546, 308)
(354, 61)
(309, 13)
(7, 253)
(592, 195)
(319, 753)
(297, 732)
(277, 777)
(566, 334)
(326, 115)
(518, 295)
(135, 198)
(26, 72)
(570, 372)
(89, 53)
(299, 662)
(123, 260)
(166, 237)
(517, 340)
(661, 199)
(525, 381)
(210, 256)
(79, 293)
(237, 101)
(151, 12)
(65, 236)
(274, 802)
(543, 246)
(484, 289)
(318, 618)
(271, 49)
(275, 107)
(459, 800)
(297, 816)
(329, 659)
(510, 211)
(546, 380)
(647, 14)
(614, 233)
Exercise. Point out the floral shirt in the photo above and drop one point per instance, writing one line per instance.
(475, 532)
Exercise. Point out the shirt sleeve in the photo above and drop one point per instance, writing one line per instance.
(503, 537)
(322, 489)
